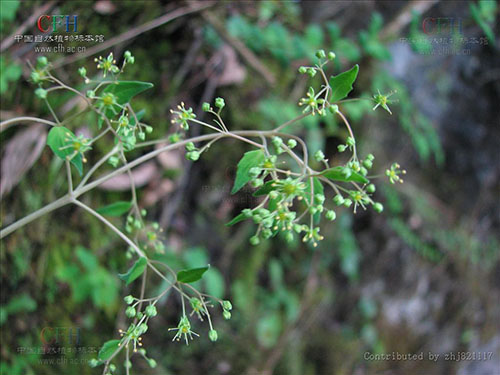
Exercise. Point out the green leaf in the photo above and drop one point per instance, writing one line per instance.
(191, 275)
(265, 189)
(9, 9)
(249, 160)
(236, 219)
(11, 72)
(21, 303)
(115, 209)
(126, 90)
(342, 83)
(336, 175)
(57, 139)
(108, 349)
(135, 271)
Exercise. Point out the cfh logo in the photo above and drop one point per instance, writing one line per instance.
(60, 335)
(441, 25)
(56, 22)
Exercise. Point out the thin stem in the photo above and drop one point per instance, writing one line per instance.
(68, 174)
(35, 215)
(5, 124)
(113, 228)
(277, 129)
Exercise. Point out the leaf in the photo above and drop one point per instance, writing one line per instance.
(135, 271)
(126, 90)
(9, 9)
(191, 275)
(342, 83)
(249, 160)
(336, 175)
(108, 349)
(57, 139)
(265, 189)
(236, 219)
(115, 209)
(11, 72)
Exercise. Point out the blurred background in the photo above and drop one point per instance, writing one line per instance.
(423, 277)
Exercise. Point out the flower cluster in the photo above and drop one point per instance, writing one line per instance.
(394, 172)
(313, 103)
(182, 116)
(107, 65)
(77, 144)
(382, 101)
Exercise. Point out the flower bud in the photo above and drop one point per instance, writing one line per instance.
(368, 163)
(130, 312)
(205, 107)
(254, 240)
(193, 155)
(330, 215)
(226, 315)
(41, 93)
(319, 156)
(378, 207)
(338, 200)
(226, 305)
(82, 71)
(151, 311)
(334, 108)
(320, 54)
(129, 299)
(212, 335)
(41, 62)
(219, 103)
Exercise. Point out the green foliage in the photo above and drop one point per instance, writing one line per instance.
(251, 159)
(337, 174)
(108, 349)
(90, 281)
(191, 275)
(8, 10)
(135, 271)
(370, 41)
(292, 189)
(18, 304)
(115, 209)
(11, 72)
(61, 142)
(342, 83)
(484, 14)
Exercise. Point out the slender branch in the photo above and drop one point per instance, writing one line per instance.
(111, 226)
(35, 215)
(68, 174)
(6, 124)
